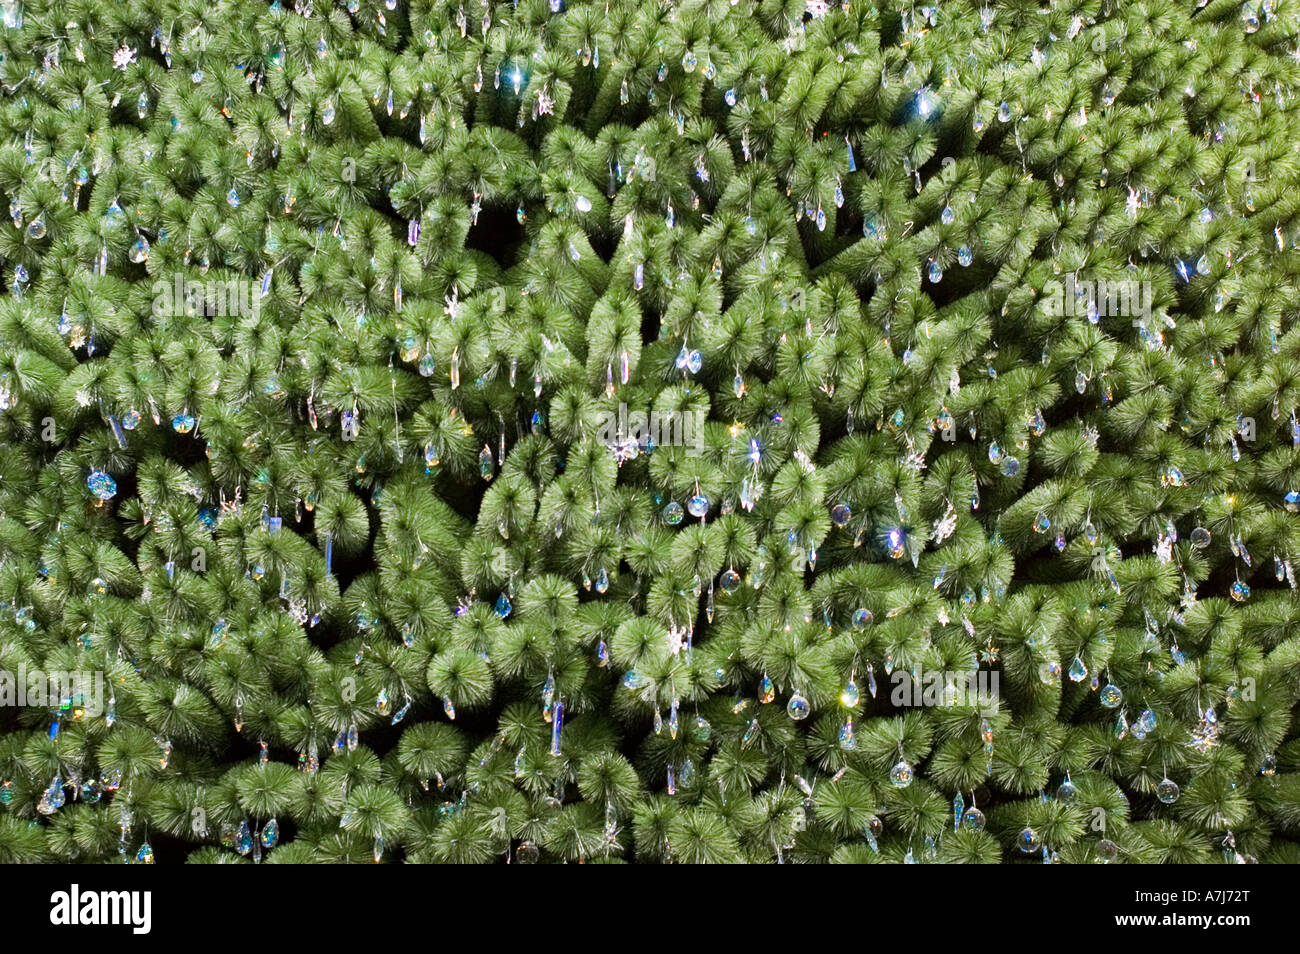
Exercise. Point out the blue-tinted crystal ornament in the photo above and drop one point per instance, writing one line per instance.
(503, 606)
(871, 831)
(183, 422)
(101, 485)
(270, 834)
(557, 727)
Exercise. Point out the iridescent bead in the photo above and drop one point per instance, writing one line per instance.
(1028, 841)
(798, 708)
(900, 776)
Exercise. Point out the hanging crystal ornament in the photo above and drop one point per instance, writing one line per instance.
(1028, 841)
(901, 775)
(1206, 734)
(798, 707)
(848, 738)
(557, 727)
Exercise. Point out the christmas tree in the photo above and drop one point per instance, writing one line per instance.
(717, 431)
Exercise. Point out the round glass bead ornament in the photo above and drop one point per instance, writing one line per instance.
(1269, 766)
(900, 776)
(698, 505)
(1167, 791)
(1067, 793)
(131, 420)
(840, 514)
(1200, 538)
(673, 513)
(798, 708)
(862, 618)
(183, 423)
(1240, 591)
(729, 581)
(101, 485)
(1028, 841)
(527, 854)
(973, 819)
(1110, 696)
(1010, 466)
(1049, 673)
(1107, 851)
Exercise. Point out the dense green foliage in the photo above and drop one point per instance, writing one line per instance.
(437, 248)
